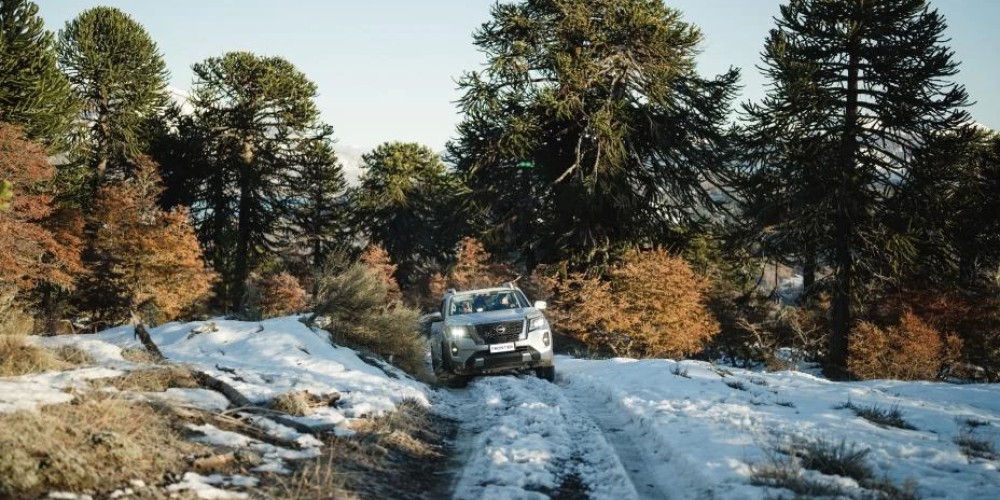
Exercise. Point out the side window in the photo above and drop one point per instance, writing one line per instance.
(444, 308)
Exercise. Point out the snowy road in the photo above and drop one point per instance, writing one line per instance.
(624, 429)
(639, 459)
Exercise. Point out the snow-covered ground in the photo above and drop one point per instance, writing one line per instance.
(607, 429)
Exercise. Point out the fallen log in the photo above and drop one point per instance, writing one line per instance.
(147, 341)
(243, 404)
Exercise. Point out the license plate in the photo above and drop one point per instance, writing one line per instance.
(505, 347)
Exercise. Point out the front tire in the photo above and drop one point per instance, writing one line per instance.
(546, 372)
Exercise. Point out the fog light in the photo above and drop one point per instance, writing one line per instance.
(454, 349)
(545, 339)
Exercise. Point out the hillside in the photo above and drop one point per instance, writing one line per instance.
(615, 428)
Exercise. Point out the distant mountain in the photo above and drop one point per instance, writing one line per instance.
(350, 160)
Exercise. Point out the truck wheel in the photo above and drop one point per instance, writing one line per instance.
(546, 372)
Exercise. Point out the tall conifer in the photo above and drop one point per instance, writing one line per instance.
(34, 94)
(858, 88)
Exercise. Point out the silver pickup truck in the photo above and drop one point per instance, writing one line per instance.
(490, 330)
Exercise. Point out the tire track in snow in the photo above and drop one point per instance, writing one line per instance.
(523, 439)
(613, 423)
(656, 470)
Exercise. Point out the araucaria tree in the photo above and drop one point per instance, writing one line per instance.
(256, 118)
(589, 129)
(319, 214)
(858, 89)
(34, 94)
(117, 71)
(406, 204)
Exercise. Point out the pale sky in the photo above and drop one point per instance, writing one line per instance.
(386, 69)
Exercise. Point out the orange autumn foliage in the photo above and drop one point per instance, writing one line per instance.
(280, 294)
(35, 246)
(652, 304)
(150, 256)
(378, 259)
(912, 349)
(473, 269)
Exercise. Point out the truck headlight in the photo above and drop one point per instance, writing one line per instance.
(459, 331)
(537, 323)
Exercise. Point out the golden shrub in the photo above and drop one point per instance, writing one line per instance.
(280, 295)
(378, 259)
(652, 304)
(909, 350)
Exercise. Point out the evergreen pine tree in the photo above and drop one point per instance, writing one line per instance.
(858, 88)
(118, 72)
(253, 116)
(34, 94)
(589, 129)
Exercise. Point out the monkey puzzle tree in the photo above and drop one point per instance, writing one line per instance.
(255, 116)
(858, 89)
(34, 94)
(319, 214)
(589, 129)
(118, 72)
(405, 204)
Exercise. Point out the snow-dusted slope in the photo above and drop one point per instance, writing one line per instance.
(608, 429)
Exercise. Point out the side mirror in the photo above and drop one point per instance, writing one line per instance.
(540, 304)
(427, 322)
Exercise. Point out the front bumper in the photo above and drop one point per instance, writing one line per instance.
(470, 358)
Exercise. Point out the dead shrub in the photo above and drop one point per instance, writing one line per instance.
(92, 445)
(72, 355)
(13, 320)
(361, 315)
(378, 259)
(139, 355)
(652, 304)
(473, 268)
(293, 403)
(973, 319)
(909, 350)
(18, 357)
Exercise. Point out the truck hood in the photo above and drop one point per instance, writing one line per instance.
(496, 316)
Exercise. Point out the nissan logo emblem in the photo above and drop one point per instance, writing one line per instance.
(500, 330)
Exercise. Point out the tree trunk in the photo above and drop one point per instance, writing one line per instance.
(146, 339)
(808, 271)
(241, 266)
(843, 223)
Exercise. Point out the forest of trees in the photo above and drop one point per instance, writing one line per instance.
(591, 162)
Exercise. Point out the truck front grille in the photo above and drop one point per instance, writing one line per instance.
(504, 331)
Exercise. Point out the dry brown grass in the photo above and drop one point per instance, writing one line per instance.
(293, 403)
(156, 379)
(19, 357)
(392, 456)
(139, 355)
(93, 445)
